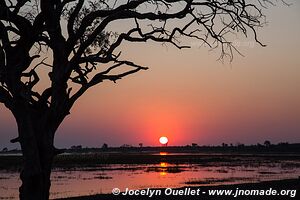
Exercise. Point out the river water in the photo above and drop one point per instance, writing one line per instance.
(103, 178)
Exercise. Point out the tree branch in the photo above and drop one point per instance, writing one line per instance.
(101, 76)
(90, 45)
(5, 97)
(73, 17)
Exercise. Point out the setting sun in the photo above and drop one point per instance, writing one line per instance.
(163, 140)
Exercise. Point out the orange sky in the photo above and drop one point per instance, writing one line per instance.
(188, 96)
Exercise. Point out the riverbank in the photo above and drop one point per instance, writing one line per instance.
(81, 160)
(281, 190)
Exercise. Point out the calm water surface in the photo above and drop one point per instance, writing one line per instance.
(103, 178)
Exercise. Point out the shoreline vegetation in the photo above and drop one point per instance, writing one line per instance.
(278, 185)
(78, 157)
(94, 159)
(266, 147)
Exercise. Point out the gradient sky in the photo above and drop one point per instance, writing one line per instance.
(188, 96)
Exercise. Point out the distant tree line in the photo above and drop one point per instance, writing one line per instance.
(265, 146)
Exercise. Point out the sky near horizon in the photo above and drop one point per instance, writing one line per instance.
(190, 97)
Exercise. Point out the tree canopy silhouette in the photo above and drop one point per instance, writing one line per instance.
(70, 46)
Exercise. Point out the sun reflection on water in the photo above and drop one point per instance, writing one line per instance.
(162, 173)
(163, 164)
(163, 168)
(163, 153)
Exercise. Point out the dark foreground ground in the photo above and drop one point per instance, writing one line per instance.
(290, 188)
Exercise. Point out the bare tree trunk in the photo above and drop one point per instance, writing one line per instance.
(35, 183)
(36, 142)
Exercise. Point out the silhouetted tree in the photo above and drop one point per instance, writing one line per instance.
(104, 146)
(5, 149)
(194, 145)
(267, 143)
(224, 145)
(69, 46)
